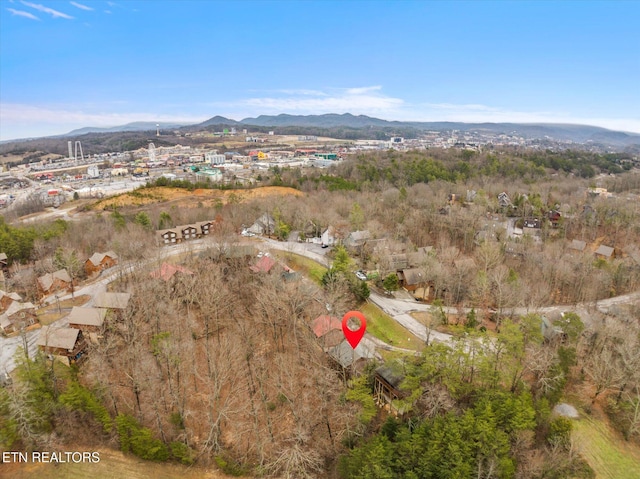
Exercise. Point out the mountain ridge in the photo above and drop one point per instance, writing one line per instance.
(581, 134)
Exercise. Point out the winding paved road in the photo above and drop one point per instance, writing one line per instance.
(398, 309)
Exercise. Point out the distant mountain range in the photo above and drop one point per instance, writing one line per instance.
(562, 132)
(337, 124)
(135, 126)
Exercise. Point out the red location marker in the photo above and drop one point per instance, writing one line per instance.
(354, 337)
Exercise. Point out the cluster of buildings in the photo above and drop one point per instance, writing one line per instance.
(183, 233)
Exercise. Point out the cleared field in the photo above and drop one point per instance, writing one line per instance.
(184, 197)
(608, 455)
(306, 266)
(388, 330)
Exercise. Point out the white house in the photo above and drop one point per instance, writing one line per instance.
(213, 158)
(329, 236)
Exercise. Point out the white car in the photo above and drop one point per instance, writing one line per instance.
(361, 276)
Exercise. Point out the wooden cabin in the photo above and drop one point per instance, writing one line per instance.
(66, 344)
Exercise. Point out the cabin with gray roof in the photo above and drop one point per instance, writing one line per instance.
(347, 358)
(357, 238)
(577, 245)
(265, 225)
(605, 252)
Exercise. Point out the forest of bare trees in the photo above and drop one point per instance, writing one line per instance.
(221, 367)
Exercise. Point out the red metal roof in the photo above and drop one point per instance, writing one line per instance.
(167, 271)
(323, 324)
(263, 265)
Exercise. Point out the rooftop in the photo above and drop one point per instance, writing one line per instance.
(112, 300)
(87, 316)
(61, 338)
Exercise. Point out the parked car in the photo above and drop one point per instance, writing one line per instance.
(361, 276)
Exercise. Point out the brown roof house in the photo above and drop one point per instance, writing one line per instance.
(18, 316)
(52, 282)
(66, 344)
(411, 278)
(87, 320)
(169, 236)
(205, 227)
(189, 232)
(7, 298)
(414, 281)
(328, 330)
(114, 301)
(100, 261)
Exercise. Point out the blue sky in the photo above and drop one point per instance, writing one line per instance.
(69, 64)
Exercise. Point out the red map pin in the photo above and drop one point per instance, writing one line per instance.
(354, 337)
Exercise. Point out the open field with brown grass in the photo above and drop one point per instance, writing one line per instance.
(54, 311)
(186, 198)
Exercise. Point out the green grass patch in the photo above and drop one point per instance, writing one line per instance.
(388, 330)
(59, 309)
(610, 456)
(303, 265)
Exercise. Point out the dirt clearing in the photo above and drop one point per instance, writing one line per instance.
(184, 197)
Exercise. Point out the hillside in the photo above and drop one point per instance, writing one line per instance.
(345, 126)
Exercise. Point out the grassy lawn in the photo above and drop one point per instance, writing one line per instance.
(306, 266)
(51, 313)
(610, 456)
(386, 329)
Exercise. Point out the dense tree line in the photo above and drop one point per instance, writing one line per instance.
(18, 241)
(480, 407)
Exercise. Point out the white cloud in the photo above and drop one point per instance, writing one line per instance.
(81, 6)
(302, 92)
(364, 100)
(50, 11)
(22, 13)
(363, 90)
